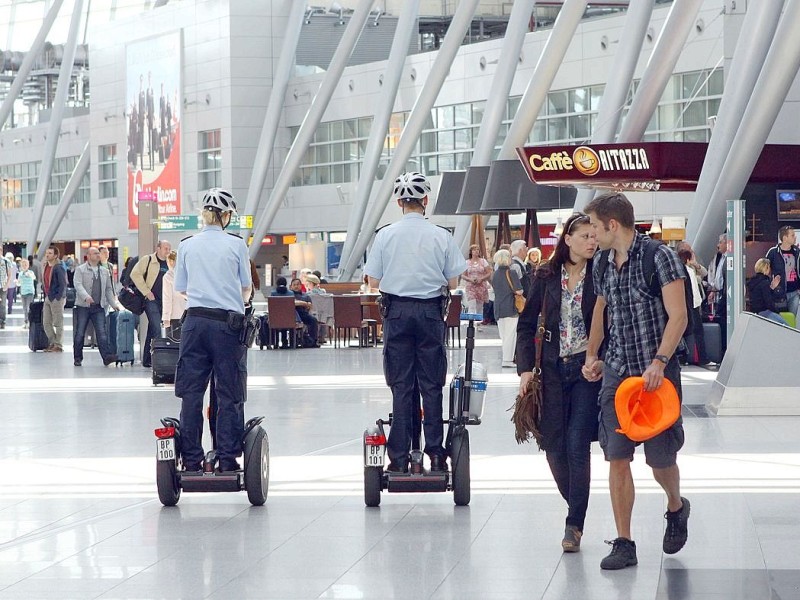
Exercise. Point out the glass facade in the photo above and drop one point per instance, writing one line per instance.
(19, 183)
(209, 159)
(448, 139)
(107, 174)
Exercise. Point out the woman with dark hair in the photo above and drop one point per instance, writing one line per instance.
(563, 289)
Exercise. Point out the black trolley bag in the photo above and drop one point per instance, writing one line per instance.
(37, 338)
(164, 353)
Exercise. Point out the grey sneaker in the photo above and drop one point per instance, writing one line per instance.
(623, 554)
(677, 528)
(572, 539)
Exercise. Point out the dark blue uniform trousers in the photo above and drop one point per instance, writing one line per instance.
(414, 364)
(208, 345)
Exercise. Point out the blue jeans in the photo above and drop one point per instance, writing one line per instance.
(81, 317)
(208, 345)
(571, 467)
(152, 308)
(793, 298)
(768, 314)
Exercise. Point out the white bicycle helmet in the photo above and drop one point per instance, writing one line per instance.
(219, 199)
(411, 186)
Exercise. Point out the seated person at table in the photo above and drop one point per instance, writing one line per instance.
(302, 303)
(320, 277)
(312, 285)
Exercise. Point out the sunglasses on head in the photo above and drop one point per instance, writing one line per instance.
(576, 219)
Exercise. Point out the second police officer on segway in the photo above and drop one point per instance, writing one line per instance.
(213, 270)
(414, 264)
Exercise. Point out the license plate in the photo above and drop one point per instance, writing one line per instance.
(374, 456)
(165, 449)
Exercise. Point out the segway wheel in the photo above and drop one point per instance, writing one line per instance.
(169, 491)
(459, 458)
(256, 468)
(372, 486)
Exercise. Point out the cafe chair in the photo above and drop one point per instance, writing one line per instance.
(346, 317)
(453, 321)
(283, 317)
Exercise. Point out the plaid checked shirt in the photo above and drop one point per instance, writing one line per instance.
(636, 318)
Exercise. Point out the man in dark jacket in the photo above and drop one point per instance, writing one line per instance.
(54, 280)
(784, 261)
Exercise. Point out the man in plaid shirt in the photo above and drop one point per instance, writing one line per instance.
(644, 332)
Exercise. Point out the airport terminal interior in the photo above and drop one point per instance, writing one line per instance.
(118, 115)
(81, 518)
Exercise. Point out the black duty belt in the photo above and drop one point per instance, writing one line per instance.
(217, 314)
(435, 299)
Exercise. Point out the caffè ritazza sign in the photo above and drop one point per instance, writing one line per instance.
(645, 166)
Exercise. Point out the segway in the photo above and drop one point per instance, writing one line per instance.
(465, 408)
(171, 479)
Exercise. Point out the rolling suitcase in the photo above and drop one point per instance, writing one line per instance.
(712, 336)
(111, 330)
(37, 338)
(165, 359)
(126, 331)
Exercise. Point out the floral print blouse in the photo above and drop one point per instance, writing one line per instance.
(571, 328)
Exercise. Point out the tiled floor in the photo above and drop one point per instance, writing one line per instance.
(79, 516)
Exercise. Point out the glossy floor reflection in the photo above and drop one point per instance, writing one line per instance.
(79, 516)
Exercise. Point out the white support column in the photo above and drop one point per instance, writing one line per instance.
(27, 62)
(280, 82)
(618, 81)
(54, 126)
(74, 183)
(518, 24)
(406, 27)
(758, 31)
(659, 69)
(459, 27)
(315, 112)
(546, 68)
(766, 99)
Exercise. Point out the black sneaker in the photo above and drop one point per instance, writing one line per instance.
(438, 463)
(229, 466)
(677, 528)
(77, 362)
(623, 554)
(397, 467)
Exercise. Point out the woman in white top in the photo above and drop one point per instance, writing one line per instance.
(173, 303)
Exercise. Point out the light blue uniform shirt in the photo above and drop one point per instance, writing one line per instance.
(414, 258)
(212, 269)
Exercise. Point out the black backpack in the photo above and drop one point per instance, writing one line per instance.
(125, 278)
(653, 285)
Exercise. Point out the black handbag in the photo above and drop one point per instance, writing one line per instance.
(132, 300)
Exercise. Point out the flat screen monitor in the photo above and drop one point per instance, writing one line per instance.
(788, 205)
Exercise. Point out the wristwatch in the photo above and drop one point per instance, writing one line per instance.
(662, 358)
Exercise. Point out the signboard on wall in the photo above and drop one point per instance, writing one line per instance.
(152, 109)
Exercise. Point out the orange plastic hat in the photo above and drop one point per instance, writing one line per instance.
(643, 415)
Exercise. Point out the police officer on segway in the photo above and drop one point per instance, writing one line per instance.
(414, 263)
(213, 270)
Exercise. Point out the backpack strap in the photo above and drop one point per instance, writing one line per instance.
(649, 266)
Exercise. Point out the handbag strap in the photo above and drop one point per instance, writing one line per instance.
(537, 341)
(508, 278)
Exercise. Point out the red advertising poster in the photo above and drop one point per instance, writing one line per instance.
(154, 119)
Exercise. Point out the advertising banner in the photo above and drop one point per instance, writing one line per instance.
(153, 102)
